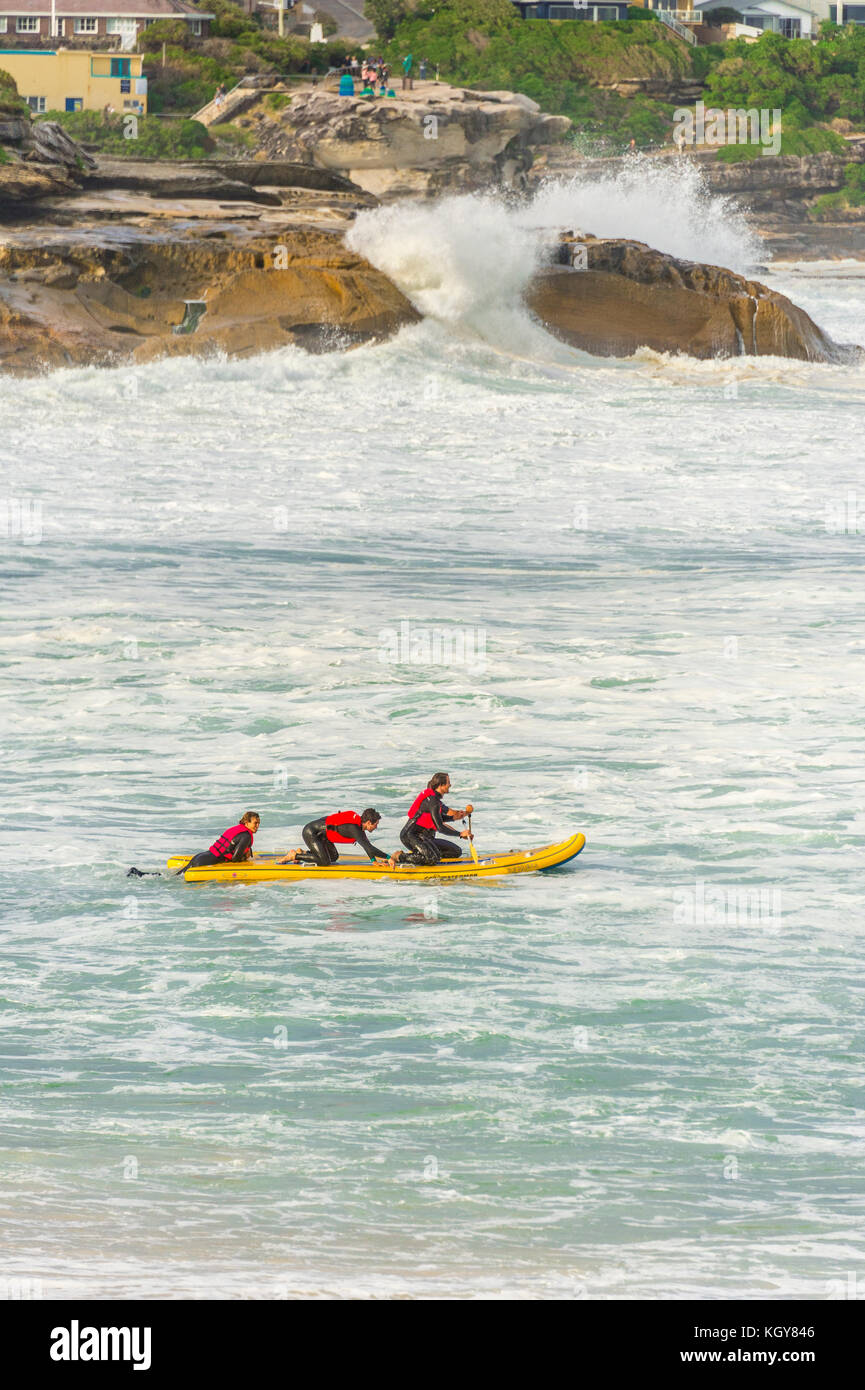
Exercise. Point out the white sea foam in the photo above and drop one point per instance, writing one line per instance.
(674, 644)
(665, 203)
(467, 260)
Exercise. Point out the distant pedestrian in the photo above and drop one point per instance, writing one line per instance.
(407, 79)
(421, 72)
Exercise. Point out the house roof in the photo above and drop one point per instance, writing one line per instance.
(106, 9)
(746, 7)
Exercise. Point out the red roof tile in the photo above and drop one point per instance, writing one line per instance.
(107, 9)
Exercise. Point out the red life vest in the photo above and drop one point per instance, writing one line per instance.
(424, 821)
(341, 818)
(220, 847)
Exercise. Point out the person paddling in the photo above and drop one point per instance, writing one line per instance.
(322, 836)
(427, 814)
(233, 844)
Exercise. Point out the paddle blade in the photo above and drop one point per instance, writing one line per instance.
(472, 843)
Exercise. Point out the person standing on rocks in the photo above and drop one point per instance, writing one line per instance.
(407, 79)
(421, 72)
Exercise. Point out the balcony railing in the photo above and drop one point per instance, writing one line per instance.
(685, 16)
(669, 18)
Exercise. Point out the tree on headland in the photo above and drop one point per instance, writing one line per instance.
(725, 14)
(387, 15)
(807, 81)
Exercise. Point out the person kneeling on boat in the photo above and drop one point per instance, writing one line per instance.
(322, 836)
(234, 844)
(427, 814)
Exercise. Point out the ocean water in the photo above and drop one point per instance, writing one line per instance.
(641, 584)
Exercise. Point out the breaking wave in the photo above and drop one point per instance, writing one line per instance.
(467, 259)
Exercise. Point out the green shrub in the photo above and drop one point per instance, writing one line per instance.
(486, 44)
(233, 136)
(11, 104)
(852, 195)
(171, 31)
(809, 82)
(705, 57)
(793, 141)
(724, 14)
(156, 139)
(194, 69)
(388, 15)
(230, 20)
(187, 81)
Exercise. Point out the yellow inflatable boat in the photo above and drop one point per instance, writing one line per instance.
(263, 868)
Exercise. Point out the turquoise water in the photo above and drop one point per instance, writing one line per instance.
(581, 1084)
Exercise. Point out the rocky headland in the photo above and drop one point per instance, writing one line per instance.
(431, 140)
(108, 260)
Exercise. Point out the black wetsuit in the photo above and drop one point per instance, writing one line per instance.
(238, 846)
(421, 842)
(325, 852)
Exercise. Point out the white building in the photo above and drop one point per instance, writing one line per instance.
(90, 23)
(799, 21)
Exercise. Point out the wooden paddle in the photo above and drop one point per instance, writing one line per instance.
(469, 810)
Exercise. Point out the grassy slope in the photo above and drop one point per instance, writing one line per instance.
(565, 67)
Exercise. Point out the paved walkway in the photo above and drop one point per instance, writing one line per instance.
(350, 18)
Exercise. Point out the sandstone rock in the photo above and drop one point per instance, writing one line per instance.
(22, 183)
(13, 130)
(45, 162)
(49, 143)
(763, 181)
(630, 296)
(283, 173)
(244, 180)
(105, 296)
(419, 142)
(175, 179)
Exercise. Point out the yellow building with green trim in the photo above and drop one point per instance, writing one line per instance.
(71, 79)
